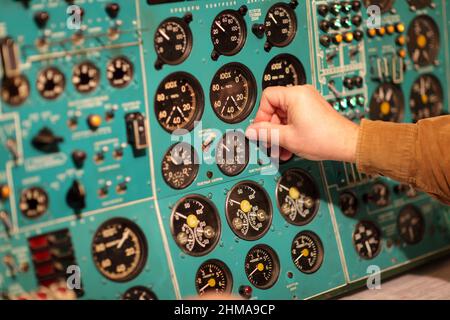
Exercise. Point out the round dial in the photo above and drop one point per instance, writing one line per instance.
(420, 4)
(119, 249)
(423, 41)
(139, 293)
(119, 72)
(248, 210)
(213, 277)
(387, 103)
(284, 70)
(228, 32)
(33, 202)
(411, 224)
(426, 98)
(85, 77)
(180, 165)
(195, 225)
(379, 194)
(262, 266)
(15, 91)
(280, 25)
(179, 102)
(307, 252)
(385, 5)
(233, 92)
(50, 83)
(173, 41)
(297, 197)
(348, 203)
(367, 239)
(232, 153)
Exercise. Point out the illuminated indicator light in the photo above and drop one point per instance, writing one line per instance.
(400, 27)
(421, 41)
(45, 270)
(5, 192)
(402, 53)
(372, 32)
(385, 108)
(38, 242)
(94, 121)
(381, 31)
(390, 29)
(401, 40)
(246, 206)
(348, 37)
(192, 221)
(338, 38)
(294, 193)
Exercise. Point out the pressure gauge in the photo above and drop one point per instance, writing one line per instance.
(213, 277)
(280, 24)
(232, 153)
(180, 165)
(307, 252)
(262, 266)
(284, 70)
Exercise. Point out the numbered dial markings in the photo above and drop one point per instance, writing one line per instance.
(307, 252)
(119, 249)
(233, 93)
(179, 102)
(248, 210)
(228, 33)
(139, 293)
(33, 202)
(195, 225)
(14, 91)
(213, 277)
(173, 41)
(387, 103)
(50, 83)
(367, 239)
(411, 224)
(384, 5)
(426, 98)
(180, 165)
(262, 266)
(284, 70)
(119, 72)
(348, 203)
(232, 153)
(85, 77)
(420, 4)
(423, 41)
(280, 25)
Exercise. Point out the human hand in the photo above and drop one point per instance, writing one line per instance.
(307, 125)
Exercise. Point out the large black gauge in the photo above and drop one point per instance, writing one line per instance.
(280, 24)
(262, 266)
(119, 72)
(119, 249)
(420, 4)
(173, 41)
(284, 70)
(233, 92)
(139, 293)
(297, 197)
(411, 224)
(367, 239)
(33, 202)
(15, 90)
(85, 77)
(228, 32)
(348, 203)
(385, 5)
(180, 165)
(213, 277)
(50, 83)
(195, 225)
(248, 210)
(387, 103)
(378, 195)
(179, 102)
(232, 153)
(426, 97)
(423, 41)
(307, 252)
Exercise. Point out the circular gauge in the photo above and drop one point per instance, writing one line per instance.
(297, 197)
(248, 210)
(50, 83)
(284, 70)
(228, 33)
(233, 92)
(85, 77)
(387, 103)
(173, 41)
(119, 249)
(385, 5)
(180, 165)
(139, 293)
(307, 252)
(379, 194)
(423, 41)
(280, 25)
(195, 225)
(348, 203)
(411, 224)
(213, 277)
(33, 202)
(119, 72)
(367, 239)
(15, 91)
(426, 97)
(420, 4)
(232, 153)
(179, 102)
(262, 266)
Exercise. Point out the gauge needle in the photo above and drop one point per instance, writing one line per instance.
(256, 269)
(181, 215)
(234, 201)
(298, 258)
(220, 26)
(181, 113)
(273, 18)
(284, 187)
(204, 287)
(161, 31)
(124, 237)
(369, 249)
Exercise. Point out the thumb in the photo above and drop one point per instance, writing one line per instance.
(269, 133)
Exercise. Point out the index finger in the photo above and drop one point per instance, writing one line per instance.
(273, 98)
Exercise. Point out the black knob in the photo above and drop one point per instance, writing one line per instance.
(346, 6)
(258, 30)
(78, 157)
(348, 83)
(356, 20)
(324, 25)
(325, 40)
(358, 35)
(76, 196)
(358, 81)
(356, 5)
(41, 18)
(47, 141)
(346, 22)
(335, 8)
(112, 10)
(322, 10)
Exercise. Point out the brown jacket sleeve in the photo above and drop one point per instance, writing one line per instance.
(418, 154)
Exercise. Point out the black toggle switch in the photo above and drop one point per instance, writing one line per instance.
(112, 10)
(79, 157)
(76, 196)
(47, 141)
(41, 18)
(258, 30)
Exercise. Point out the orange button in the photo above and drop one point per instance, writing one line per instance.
(5, 192)
(390, 29)
(401, 40)
(94, 121)
(400, 27)
(402, 53)
(371, 33)
(348, 37)
(381, 31)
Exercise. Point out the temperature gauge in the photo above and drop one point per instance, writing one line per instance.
(367, 239)
(213, 277)
(232, 153)
(262, 266)
(411, 224)
(307, 252)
